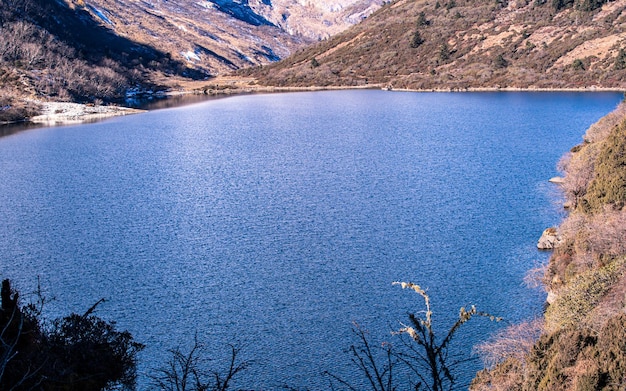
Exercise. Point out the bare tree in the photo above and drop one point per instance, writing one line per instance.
(189, 372)
(428, 357)
(515, 341)
(367, 358)
(422, 355)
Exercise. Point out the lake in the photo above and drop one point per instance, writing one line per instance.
(275, 221)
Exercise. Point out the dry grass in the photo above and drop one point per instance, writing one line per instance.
(524, 45)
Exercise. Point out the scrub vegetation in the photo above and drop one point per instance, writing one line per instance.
(50, 52)
(462, 44)
(77, 352)
(582, 345)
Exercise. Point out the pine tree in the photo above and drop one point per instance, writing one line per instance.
(417, 39)
(620, 60)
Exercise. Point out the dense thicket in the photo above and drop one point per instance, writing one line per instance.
(608, 187)
(74, 353)
(572, 358)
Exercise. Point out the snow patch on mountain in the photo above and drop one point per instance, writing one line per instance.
(100, 15)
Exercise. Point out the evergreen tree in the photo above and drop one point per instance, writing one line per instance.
(417, 39)
(444, 52)
(500, 61)
(421, 20)
(620, 60)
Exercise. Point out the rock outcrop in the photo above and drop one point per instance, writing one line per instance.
(549, 239)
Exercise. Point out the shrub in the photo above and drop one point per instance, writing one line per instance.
(589, 5)
(78, 352)
(514, 342)
(580, 296)
(578, 65)
(500, 61)
(609, 184)
(416, 39)
(620, 60)
(444, 52)
(421, 20)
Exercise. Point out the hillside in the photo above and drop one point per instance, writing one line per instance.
(460, 44)
(218, 36)
(211, 37)
(50, 52)
(102, 50)
(582, 344)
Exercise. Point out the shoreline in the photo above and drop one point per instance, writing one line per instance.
(66, 113)
(71, 113)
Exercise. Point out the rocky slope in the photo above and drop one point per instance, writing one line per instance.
(218, 36)
(459, 44)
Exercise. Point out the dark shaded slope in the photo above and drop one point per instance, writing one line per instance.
(50, 51)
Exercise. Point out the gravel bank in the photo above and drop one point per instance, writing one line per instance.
(70, 113)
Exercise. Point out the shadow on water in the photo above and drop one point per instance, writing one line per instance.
(9, 129)
(158, 103)
(149, 104)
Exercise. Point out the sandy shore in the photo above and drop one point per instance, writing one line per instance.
(74, 113)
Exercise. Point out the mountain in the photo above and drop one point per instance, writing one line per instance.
(102, 50)
(50, 52)
(218, 36)
(460, 44)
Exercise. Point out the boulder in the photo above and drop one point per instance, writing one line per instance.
(549, 239)
(557, 179)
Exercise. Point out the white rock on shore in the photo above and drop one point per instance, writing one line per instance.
(557, 179)
(549, 239)
(70, 113)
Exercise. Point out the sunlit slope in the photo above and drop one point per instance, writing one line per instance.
(218, 36)
(469, 44)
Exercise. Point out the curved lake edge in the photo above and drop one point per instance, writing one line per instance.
(74, 113)
(231, 94)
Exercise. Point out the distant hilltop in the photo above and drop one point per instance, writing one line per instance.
(469, 44)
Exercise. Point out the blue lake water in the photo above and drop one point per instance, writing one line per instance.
(278, 220)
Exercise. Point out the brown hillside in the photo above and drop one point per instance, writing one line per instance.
(583, 344)
(460, 44)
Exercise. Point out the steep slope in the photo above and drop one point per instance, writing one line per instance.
(214, 37)
(459, 44)
(50, 52)
(583, 344)
(218, 36)
(100, 50)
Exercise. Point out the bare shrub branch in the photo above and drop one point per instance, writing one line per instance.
(190, 372)
(515, 341)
